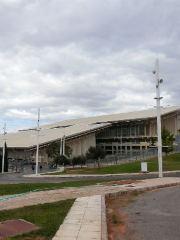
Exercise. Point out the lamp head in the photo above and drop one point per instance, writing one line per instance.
(153, 71)
(160, 81)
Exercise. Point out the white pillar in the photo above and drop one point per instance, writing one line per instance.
(4, 140)
(158, 82)
(64, 146)
(61, 143)
(37, 150)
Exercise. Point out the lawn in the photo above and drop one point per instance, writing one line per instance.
(48, 217)
(172, 164)
(9, 189)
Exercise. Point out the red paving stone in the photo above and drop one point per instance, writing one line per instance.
(15, 227)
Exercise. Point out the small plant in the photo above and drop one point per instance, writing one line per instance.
(114, 219)
(136, 193)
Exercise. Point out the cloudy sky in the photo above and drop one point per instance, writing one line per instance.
(83, 58)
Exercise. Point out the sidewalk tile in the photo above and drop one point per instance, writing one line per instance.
(91, 228)
(73, 221)
(75, 217)
(91, 222)
(89, 235)
(70, 227)
(67, 233)
(64, 238)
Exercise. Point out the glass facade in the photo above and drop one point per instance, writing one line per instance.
(124, 131)
(126, 137)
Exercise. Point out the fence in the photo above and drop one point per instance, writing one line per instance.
(15, 166)
(126, 157)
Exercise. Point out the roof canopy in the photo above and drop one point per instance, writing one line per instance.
(78, 127)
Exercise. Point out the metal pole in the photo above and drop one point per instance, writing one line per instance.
(158, 98)
(64, 145)
(37, 150)
(121, 142)
(4, 140)
(61, 146)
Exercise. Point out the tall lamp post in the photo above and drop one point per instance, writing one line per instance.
(4, 141)
(37, 149)
(158, 98)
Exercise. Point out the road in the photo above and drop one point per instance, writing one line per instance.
(7, 178)
(155, 215)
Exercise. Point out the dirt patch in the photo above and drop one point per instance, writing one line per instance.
(15, 227)
(122, 182)
(117, 218)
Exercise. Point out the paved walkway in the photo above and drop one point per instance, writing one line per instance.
(85, 220)
(89, 207)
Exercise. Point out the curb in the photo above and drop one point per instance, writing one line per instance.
(143, 189)
(102, 175)
(104, 235)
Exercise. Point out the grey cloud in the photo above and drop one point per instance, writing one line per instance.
(84, 58)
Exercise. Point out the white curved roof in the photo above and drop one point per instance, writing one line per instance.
(27, 139)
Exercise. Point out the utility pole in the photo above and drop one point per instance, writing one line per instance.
(4, 141)
(37, 150)
(158, 98)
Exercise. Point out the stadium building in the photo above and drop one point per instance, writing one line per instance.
(114, 133)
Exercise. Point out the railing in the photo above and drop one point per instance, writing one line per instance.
(126, 157)
(15, 166)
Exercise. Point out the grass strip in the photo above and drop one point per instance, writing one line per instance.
(9, 189)
(133, 167)
(48, 217)
(53, 188)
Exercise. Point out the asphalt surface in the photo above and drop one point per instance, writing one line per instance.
(156, 215)
(8, 178)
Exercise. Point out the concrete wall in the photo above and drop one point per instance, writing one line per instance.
(170, 124)
(78, 146)
(81, 145)
(43, 157)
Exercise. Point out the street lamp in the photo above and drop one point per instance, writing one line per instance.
(37, 148)
(158, 98)
(4, 142)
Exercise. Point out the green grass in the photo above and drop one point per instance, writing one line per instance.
(47, 216)
(8, 189)
(135, 194)
(114, 219)
(133, 167)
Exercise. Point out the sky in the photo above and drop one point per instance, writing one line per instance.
(85, 58)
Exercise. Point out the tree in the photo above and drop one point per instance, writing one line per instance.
(82, 160)
(53, 150)
(95, 153)
(62, 160)
(75, 160)
(167, 141)
(79, 160)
